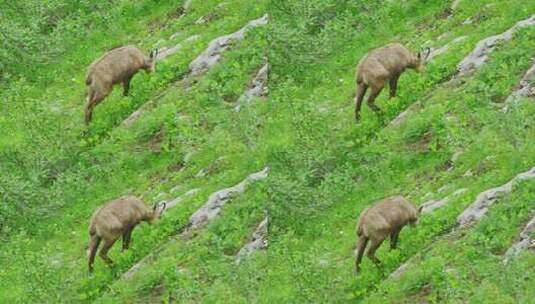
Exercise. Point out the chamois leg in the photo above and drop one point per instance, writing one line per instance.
(104, 250)
(126, 239)
(96, 98)
(394, 239)
(94, 242)
(361, 246)
(394, 86)
(375, 244)
(126, 86)
(361, 91)
(371, 99)
(89, 106)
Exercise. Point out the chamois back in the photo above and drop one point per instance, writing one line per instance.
(383, 66)
(115, 219)
(117, 66)
(385, 218)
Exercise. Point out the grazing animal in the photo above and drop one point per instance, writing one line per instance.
(117, 66)
(115, 219)
(381, 66)
(385, 218)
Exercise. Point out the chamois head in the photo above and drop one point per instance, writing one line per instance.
(420, 60)
(151, 64)
(415, 220)
(157, 210)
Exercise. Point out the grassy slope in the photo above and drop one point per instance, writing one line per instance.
(143, 159)
(335, 169)
(324, 168)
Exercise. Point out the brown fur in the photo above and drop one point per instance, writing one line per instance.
(381, 66)
(115, 219)
(117, 66)
(385, 218)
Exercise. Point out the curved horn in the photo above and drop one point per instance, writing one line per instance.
(427, 52)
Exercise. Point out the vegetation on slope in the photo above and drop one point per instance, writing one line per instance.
(325, 168)
(331, 169)
(57, 176)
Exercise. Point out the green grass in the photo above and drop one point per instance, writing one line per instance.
(63, 176)
(325, 169)
(332, 169)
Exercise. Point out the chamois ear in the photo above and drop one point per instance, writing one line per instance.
(419, 55)
(155, 206)
(420, 209)
(164, 205)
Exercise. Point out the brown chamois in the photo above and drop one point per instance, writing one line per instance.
(115, 219)
(116, 66)
(386, 217)
(384, 65)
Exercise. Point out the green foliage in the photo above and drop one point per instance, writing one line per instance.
(325, 169)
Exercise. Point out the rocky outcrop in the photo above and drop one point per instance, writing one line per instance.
(525, 241)
(165, 52)
(487, 198)
(174, 202)
(455, 5)
(413, 108)
(205, 61)
(477, 210)
(258, 241)
(441, 50)
(432, 205)
(257, 88)
(203, 216)
(217, 200)
(471, 62)
(525, 88)
(484, 47)
(212, 54)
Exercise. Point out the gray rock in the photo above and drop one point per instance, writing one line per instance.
(468, 21)
(432, 205)
(396, 122)
(487, 198)
(206, 60)
(187, 5)
(526, 88)
(456, 155)
(439, 51)
(525, 241)
(217, 200)
(200, 218)
(212, 54)
(484, 47)
(258, 241)
(258, 88)
(443, 188)
(165, 52)
(455, 4)
(179, 199)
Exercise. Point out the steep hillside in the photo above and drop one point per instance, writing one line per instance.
(454, 142)
(203, 135)
(190, 140)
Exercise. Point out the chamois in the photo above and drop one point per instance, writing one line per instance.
(116, 66)
(382, 65)
(115, 219)
(386, 217)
